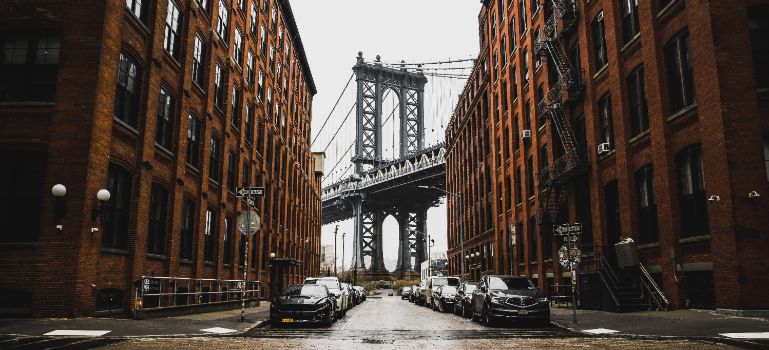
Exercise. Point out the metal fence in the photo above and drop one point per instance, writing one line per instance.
(167, 292)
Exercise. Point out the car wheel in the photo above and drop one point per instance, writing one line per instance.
(440, 306)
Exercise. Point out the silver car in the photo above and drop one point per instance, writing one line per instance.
(334, 287)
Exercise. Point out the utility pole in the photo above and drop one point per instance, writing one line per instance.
(335, 231)
(343, 234)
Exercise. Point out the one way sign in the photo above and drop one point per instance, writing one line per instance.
(249, 191)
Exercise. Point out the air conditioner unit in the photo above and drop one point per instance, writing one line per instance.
(604, 148)
(526, 134)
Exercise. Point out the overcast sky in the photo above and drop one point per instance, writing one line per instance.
(333, 31)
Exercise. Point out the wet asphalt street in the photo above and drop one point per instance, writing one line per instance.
(392, 323)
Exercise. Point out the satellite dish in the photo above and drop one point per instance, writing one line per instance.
(249, 222)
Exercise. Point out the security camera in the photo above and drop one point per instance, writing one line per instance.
(753, 194)
(714, 198)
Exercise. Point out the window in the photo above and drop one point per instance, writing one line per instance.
(599, 42)
(260, 93)
(493, 26)
(115, 218)
(242, 5)
(639, 116)
(519, 244)
(522, 16)
(246, 175)
(127, 93)
(222, 23)
(691, 182)
(506, 144)
(209, 251)
(22, 187)
(272, 57)
(231, 172)
(680, 73)
(237, 47)
(758, 23)
(164, 130)
(156, 233)
(263, 41)
(518, 192)
(607, 124)
(766, 155)
(193, 141)
(647, 207)
(229, 233)
(214, 164)
(29, 65)
(527, 116)
(516, 133)
(274, 18)
(188, 227)
(203, 5)
(532, 240)
(198, 54)
(137, 8)
(534, 7)
(171, 37)
(630, 25)
(254, 17)
(235, 115)
(250, 74)
(576, 64)
(525, 67)
(249, 124)
(259, 136)
(543, 158)
(512, 34)
(537, 58)
(664, 3)
(530, 177)
(503, 52)
(219, 97)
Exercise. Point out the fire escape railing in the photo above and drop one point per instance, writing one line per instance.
(554, 178)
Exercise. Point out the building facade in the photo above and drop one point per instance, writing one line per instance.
(656, 130)
(170, 105)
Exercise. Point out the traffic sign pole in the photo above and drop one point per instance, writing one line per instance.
(245, 262)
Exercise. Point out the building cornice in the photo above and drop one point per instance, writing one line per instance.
(293, 30)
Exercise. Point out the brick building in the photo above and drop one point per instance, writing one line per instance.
(169, 105)
(652, 124)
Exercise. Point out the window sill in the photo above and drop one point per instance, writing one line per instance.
(639, 136)
(186, 262)
(209, 263)
(694, 239)
(192, 168)
(199, 88)
(601, 72)
(649, 245)
(164, 150)
(28, 103)
(125, 125)
(632, 44)
(20, 245)
(156, 256)
(114, 251)
(682, 112)
(174, 62)
(667, 10)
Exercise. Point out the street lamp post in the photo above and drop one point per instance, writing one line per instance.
(335, 230)
(343, 234)
(461, 233)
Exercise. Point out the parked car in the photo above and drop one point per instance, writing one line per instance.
(303, 303)
(361, 292)
(463, 297)
(405, 292)
(433, 283)
(414, 293)
(350, 295)
(509, 298)
(335, 288)
(420, 292)
(443, 298)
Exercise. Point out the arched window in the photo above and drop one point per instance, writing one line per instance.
(128, 91)
(115, 218)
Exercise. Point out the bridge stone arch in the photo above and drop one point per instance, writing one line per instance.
(373, 79)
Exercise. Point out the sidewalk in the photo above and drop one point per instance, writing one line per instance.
(659, 324)
(212, 323)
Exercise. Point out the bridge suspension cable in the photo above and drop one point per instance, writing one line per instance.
(430, 63)
(339, 128)
(332, 109)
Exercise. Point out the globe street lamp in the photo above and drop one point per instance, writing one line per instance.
(461, 233)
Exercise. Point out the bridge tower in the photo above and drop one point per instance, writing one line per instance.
(373, 80)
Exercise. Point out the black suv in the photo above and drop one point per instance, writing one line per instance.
(509, 298)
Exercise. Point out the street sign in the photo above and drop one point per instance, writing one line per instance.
(567, 229)
(249, 191)
(250, 202)
(249, 221)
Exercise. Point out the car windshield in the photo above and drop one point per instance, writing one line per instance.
(442, 281)
(331, 284)
(406, 289)
(448, 290)
(469, 288)
(306, 290)
(496, 283)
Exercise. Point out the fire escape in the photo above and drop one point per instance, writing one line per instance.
(554, 179)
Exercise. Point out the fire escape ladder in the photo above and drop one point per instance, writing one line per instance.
(555, 178)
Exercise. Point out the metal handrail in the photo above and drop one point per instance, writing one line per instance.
(195, 291)
(659, 297)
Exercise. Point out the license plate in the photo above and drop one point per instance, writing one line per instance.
(287, 320)
(523, 312)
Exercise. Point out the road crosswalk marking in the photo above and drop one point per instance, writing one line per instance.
(78, 332)
(218, 330)
(600, 331)
(747, 335)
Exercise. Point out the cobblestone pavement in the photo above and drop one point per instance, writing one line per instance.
(391, 323)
